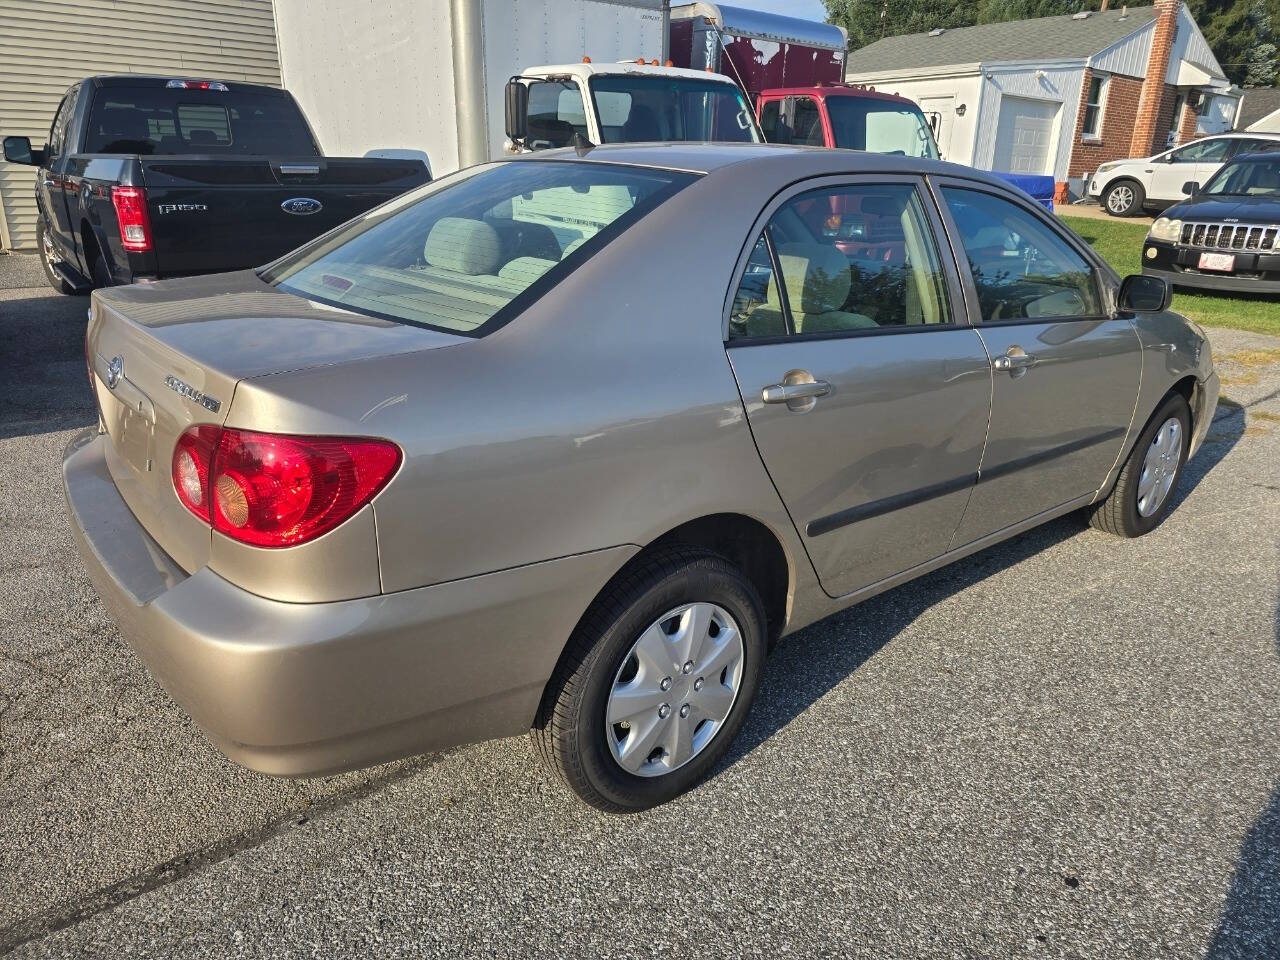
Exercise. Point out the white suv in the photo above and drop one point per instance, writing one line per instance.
(1126, 187)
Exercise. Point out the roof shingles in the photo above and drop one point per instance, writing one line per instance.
(1044, 38)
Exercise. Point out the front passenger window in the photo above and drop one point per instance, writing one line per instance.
(1021, 268)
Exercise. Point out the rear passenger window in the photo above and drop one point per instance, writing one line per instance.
(1022, 269)
(849, 259)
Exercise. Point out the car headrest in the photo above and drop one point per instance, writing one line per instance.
(525, 269)
(463, 246)
(819, 271)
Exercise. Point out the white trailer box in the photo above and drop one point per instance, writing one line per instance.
(428, 75)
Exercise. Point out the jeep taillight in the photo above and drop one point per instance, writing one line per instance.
(131, 214)
(278, 490)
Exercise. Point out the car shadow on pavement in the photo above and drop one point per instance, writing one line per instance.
(44, 386)
(807, 665)
(1250, 924)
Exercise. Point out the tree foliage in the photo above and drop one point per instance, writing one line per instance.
(1243, 34)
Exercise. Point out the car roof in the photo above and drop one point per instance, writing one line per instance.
(796, 162)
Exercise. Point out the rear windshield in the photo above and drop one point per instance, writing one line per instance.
(156, 121)
(468, 253)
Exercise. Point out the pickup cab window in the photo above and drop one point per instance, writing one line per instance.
(156, 121)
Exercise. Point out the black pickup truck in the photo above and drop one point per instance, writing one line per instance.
(149, 177)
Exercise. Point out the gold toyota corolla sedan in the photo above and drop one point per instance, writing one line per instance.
(567, 443)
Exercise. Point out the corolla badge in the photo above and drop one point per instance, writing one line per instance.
(114, 369)
(302, 206)
(192, 394)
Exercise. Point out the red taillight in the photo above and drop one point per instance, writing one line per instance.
(276, 490)
(131, 213)
(192, 457)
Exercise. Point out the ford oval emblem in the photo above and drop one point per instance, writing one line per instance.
(114, 369)
(302, 206)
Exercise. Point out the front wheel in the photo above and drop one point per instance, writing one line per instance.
(656, 683)
(1143, 494)
(1124, 198)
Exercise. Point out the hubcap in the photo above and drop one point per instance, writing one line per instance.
(46, 247)
(1160, 467)
(1120, 199)
(675, 689)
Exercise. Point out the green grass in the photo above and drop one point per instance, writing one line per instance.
(1121, 244)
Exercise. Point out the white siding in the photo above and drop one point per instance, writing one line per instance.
(1190, 45)
(1129, 56)
(47, 45)
(1060, 85)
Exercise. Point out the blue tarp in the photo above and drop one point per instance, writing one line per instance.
(1040, 188)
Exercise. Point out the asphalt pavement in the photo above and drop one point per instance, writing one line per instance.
(1065, 746)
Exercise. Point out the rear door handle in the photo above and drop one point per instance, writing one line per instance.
(786, 392)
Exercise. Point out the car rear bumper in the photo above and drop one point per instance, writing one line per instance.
(294, 689)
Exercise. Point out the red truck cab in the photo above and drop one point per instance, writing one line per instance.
(840, 115)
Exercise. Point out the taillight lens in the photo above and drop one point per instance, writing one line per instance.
(192, 456)
(277, 490)
(131, 213)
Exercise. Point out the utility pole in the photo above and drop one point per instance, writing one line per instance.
(884, 18)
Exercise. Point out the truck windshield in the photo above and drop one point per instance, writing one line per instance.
(880, 126)
(638, 109)
(156, 121)
(470, 252)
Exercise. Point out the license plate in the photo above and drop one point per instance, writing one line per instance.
(1218, 261)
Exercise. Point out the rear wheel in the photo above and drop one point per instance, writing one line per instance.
(101, 272)
(1143, 494)
(657, 681)
(48, 257)
(1124, 198)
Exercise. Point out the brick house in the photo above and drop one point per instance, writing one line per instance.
(1058, 95)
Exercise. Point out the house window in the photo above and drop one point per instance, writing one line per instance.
(1093, 108)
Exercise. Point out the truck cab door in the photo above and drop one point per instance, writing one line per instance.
(52, 186)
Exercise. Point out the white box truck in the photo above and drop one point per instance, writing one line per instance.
(408, 77)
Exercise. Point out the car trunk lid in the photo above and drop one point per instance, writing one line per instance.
(167, 356)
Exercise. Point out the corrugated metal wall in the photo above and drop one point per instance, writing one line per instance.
(46, 45)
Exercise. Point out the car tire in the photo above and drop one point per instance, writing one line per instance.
(1124, 198)
(1143, 492)
(673, 602)
(45, 248)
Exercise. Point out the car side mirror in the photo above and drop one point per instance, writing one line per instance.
(1191, 188)
(18, 150)
(1142, 294)
(517, 106)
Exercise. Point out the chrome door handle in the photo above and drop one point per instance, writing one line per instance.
(1014, 361)
(786, 392)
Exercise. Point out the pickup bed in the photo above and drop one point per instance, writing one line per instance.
(148, 177)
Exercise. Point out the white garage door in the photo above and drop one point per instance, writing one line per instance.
(1024, 135)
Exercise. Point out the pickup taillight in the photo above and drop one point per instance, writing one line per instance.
(131, 213)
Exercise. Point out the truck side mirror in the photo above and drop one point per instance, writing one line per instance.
(1191, 188)
(1141, 294)
(517, 104)
(18, 150)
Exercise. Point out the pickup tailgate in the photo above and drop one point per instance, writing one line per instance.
(215, 214)
(168, 355)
